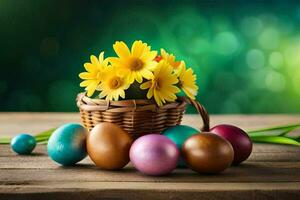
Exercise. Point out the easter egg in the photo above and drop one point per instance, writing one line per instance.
(108, 146)
(239, 140)
(23, 144)
(207, 153)
(67, 144)
(178, 134)
(154, 154)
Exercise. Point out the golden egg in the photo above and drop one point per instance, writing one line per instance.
(207, 153)
(108, 146)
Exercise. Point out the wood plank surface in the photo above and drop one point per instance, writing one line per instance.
(271, 172)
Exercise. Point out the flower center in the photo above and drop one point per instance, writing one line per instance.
(115, 82)
(157, 84)
(136, 64)
(180, 83)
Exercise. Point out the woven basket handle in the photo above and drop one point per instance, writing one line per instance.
(202, 111)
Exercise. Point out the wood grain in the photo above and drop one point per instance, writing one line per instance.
(271, 172)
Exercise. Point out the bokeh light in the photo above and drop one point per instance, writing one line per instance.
(245, 54)
(275, 81)
(276, 59)
(226, 43)
(255, 58)
(251, 26)
(269, 38)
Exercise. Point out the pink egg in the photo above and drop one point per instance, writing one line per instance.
(154, 154)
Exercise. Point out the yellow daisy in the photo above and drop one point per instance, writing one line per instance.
(135, 64)
(187, 82)
(162, 85)
(171, 60)
(113, 85)
(94, 73)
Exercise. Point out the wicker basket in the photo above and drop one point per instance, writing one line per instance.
(137, 117)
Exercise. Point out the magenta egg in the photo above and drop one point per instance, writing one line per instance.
(154, 155)
(239, 140)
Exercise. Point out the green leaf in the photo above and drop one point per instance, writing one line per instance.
(41, 138)
(43, 142)
(5, 140)
(277, 131)
(275, 140)
(45, 133)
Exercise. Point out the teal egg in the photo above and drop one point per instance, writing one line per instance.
(178, 134)
(23, 144)
(67, 144)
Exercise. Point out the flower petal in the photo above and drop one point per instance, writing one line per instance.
(85, 83)
(121, 49)
(102, 94)
(147, 74)
(130, 78)
(145, 85)
(117, 62)
(89, 67)
(148, 56)
(150, 93)
(109, 97)
(85, 75)
(138, 77)
(138, 48)
(116, 96)
(122, 94)
(157, 99)
(91, 89)
(101, 57)
(94, 60)
(151, 65)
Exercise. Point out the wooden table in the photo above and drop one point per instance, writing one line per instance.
(272, 171)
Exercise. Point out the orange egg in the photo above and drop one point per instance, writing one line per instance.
(207, 153)
(108, 146)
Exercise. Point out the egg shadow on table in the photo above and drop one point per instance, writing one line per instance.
(80, 166)
(33, 154)
(247, 165)
(246, 170)
(253, 166)
(92, 167)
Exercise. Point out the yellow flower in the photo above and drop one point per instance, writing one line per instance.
(171, 60)
(135, 64)
(187, 82)
(94, 73)
(113, 85)
(162, 85)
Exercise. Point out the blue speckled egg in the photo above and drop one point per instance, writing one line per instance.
(23, 144)
(67, 144)
(178, 134)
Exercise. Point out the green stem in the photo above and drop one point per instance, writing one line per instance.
(5, 140)
(275, 135)
(40, 138)
(277, 130)
(275, 140)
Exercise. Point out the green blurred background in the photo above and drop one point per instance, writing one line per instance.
(246, 54)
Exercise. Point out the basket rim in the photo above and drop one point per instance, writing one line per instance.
(86, 104)
(92, 104)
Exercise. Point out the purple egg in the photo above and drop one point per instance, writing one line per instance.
(154, 155)
(239, 140)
